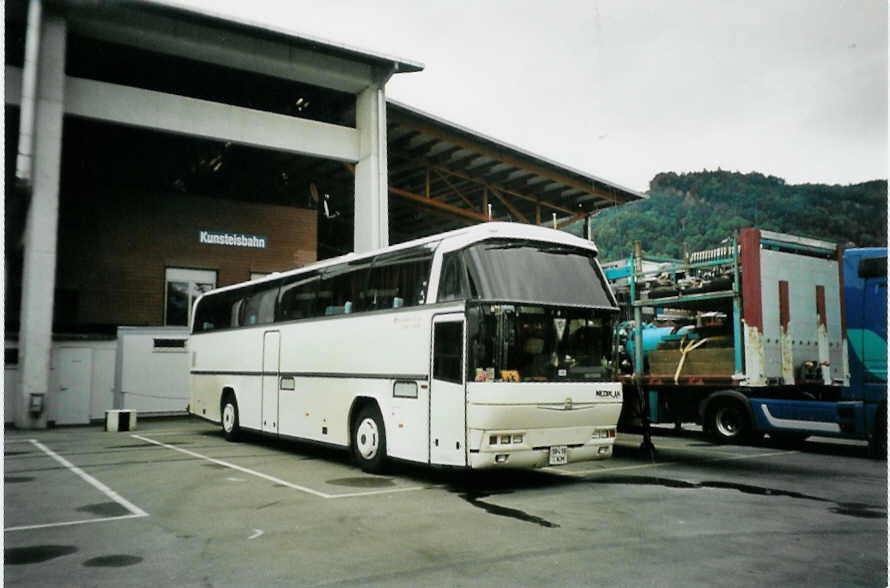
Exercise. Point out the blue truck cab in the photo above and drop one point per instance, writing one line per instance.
(865, 292)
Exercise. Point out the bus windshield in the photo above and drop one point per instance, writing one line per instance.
(509, 342)
(530, 271)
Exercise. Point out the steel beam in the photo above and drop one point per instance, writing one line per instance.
(201, 118)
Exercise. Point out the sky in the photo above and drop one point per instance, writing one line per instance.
(625, 89)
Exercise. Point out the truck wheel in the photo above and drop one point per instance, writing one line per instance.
(728, 421)
(369, 440)
(229, 418)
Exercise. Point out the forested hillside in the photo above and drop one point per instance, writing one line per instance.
(702, 208)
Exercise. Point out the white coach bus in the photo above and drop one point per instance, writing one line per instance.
(482, 347)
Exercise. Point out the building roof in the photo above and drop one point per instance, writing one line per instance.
(220, 21)
(459, 172)
(398, 64)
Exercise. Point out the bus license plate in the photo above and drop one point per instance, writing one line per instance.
(558, 455)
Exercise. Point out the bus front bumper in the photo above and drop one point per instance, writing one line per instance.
(541, 456)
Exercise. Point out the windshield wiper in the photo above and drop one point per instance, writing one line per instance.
(508, 245)
(562, 250)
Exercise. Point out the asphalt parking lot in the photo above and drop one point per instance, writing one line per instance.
(174, 504)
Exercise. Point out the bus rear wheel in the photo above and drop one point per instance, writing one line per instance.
(728, 421)
(229, 413)
(369, 440)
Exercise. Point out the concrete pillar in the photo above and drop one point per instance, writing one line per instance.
(371, 229)
(39, 274)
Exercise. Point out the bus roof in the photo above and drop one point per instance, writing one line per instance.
(463, 236)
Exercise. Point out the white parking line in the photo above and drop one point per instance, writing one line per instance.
(680, 448)
(578, 473)
(774, 453)
(68, 523)
(373, 492)
(273, 478)
(135, 511)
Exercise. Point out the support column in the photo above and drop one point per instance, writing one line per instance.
(371, 229)
(39, 273)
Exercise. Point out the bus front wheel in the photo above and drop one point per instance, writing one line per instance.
(229, 419)
(369, 440)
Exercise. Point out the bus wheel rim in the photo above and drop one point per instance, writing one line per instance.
(228, 418)
(367, 438)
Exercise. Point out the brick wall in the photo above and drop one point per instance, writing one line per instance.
(113, 250)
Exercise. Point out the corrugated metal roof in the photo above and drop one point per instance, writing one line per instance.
(476, 135)
(454, 174)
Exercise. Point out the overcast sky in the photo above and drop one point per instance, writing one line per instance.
(624, 89)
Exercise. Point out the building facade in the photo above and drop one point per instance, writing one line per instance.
(153, 153)
(74, 69)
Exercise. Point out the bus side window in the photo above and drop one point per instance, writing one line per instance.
(345, 285)
(341, 292)
(382, 290)
(324, 300)
(255, 307)
(451, 284)
(297, 299)
(236, 311)
(399, 279)
(212, 313)
(260, 307)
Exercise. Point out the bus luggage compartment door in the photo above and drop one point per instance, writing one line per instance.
(448, 428)
(271, 344)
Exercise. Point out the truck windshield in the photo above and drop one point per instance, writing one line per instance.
(509, 342)
(532, 271)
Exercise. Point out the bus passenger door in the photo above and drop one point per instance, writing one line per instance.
(271, 344)
(448, 427)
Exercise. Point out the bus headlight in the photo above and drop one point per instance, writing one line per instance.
(502, 439)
